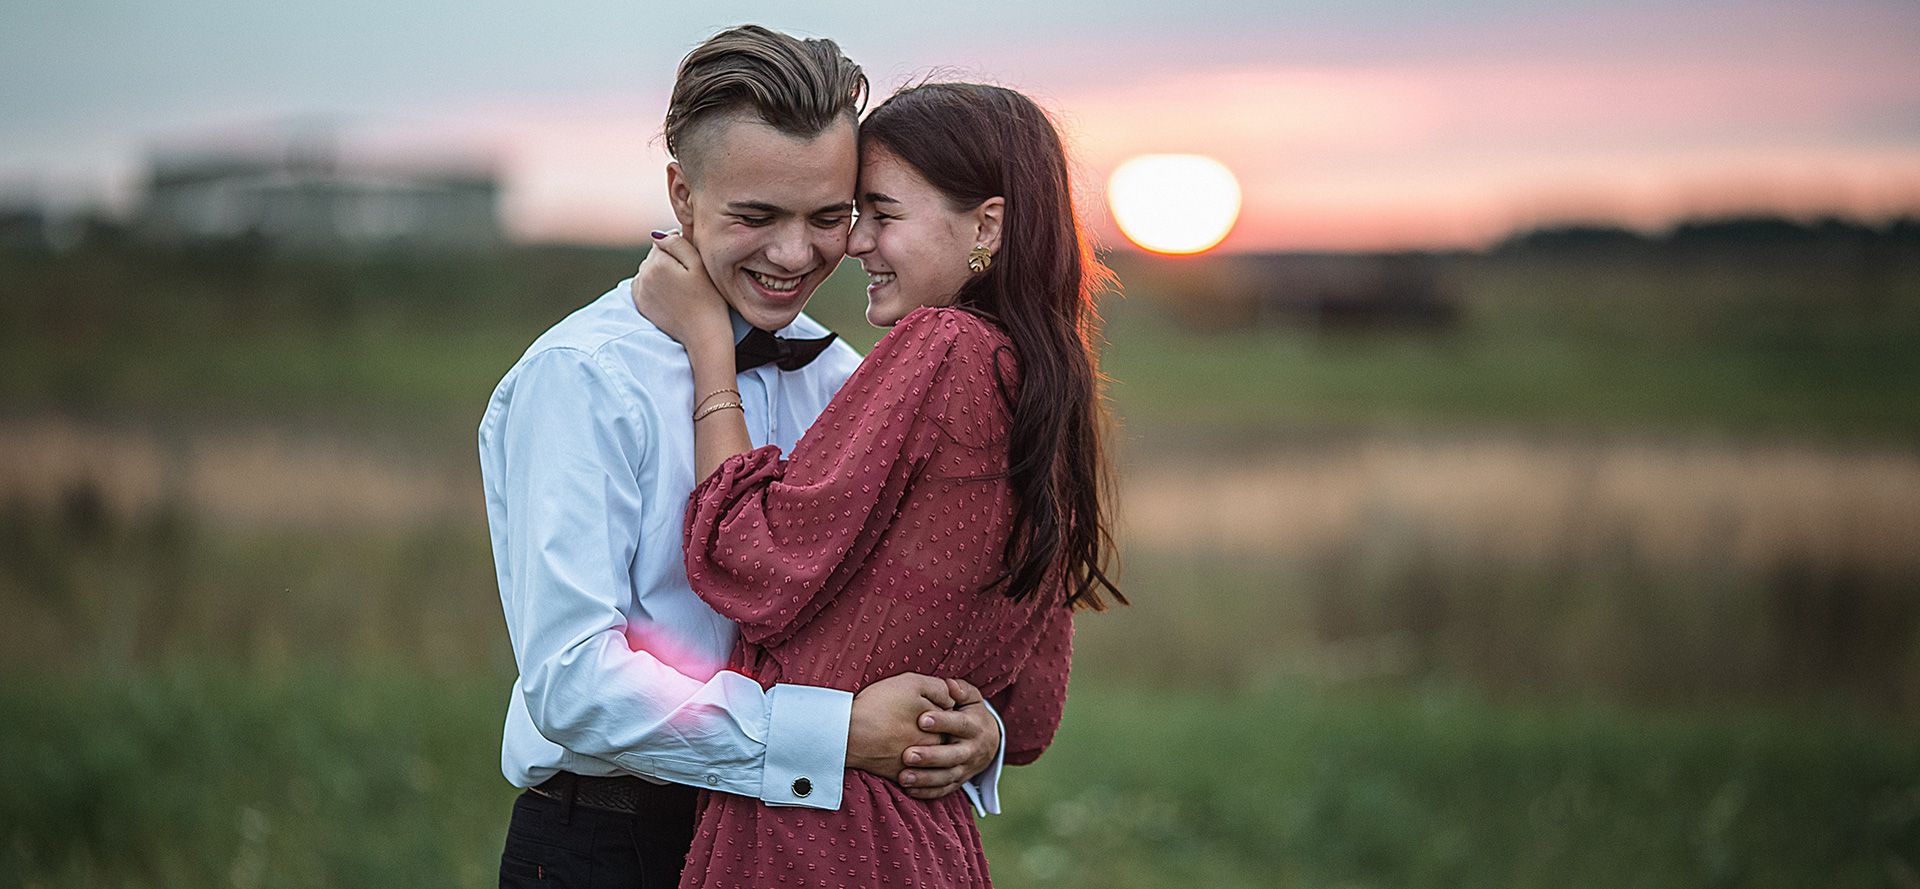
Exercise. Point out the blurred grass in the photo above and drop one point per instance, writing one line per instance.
(1797, 344)
(206, 687)
(199, 776)
(1533, 586)
(364, 775)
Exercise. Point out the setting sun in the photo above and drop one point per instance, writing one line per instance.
(1174, 203)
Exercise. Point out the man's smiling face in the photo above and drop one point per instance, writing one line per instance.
(768, 211)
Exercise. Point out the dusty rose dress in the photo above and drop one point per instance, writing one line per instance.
(862, 555)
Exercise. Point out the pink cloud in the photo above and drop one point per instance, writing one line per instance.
(1451, 150)
(1475, 148)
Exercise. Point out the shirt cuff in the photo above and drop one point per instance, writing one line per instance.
(984, 789)
(806, 746)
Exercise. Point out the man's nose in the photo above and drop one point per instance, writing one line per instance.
(791, 250)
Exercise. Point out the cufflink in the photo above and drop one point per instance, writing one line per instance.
(802, 787)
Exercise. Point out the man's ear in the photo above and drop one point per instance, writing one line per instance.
(987, 218)
(680, 194)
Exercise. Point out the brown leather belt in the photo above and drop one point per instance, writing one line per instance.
(625, 794)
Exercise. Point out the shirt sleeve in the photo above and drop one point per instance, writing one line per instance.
(983, 790)
(567, 476)
(1031, 706)
(771, 540)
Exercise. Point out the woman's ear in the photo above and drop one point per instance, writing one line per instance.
(680, 194)
(988, 217)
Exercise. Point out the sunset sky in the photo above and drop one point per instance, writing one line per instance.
(1357, 125)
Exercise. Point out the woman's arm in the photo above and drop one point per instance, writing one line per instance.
(673, 291)
(1032, 705)
(718, 432)
(770, 540)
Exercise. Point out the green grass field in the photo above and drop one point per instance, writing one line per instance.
(314, 775)
(214, 687)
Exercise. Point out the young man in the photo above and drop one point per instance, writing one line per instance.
(621, 711)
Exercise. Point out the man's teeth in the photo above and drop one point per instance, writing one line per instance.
(772, 283)
(879, 279)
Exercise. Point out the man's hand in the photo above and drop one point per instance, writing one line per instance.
(886, 721)
(972, 740)
(927, 735)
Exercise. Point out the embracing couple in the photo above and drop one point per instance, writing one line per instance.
(781, 613)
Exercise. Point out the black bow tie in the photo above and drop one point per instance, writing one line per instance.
(760, 347)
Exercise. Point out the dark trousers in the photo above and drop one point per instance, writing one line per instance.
(558, 842)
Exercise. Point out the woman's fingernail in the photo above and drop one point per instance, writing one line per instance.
(658, 234)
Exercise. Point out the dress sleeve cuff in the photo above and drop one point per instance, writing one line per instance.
(984, 789)
(806, 746)
(737, 475)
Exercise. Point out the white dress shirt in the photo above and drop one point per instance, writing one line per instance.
(586, 455)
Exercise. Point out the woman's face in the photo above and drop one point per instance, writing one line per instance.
(911, 242)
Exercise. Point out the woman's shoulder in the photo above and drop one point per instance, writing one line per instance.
(948, 347)
(962, 331)
(978, 370)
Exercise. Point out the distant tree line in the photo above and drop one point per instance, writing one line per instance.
(1759, 230)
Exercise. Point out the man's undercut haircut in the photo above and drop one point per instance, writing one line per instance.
(799, 87)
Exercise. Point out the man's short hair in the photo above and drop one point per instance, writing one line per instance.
(799, 87)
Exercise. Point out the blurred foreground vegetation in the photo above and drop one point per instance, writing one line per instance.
(1610, 581)
(318, 776)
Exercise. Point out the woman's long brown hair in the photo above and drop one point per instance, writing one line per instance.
(974, 142)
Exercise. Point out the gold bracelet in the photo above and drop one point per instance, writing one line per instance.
(703, 398)
(725, 405)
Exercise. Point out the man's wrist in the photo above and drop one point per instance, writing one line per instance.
(806, 746)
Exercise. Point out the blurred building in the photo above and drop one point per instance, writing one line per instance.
(25, 225)
(32, 224)
(1400, 290)
(1332, 291)
(306, 198)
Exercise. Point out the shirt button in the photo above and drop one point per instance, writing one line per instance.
(713, 780)
(802, 787)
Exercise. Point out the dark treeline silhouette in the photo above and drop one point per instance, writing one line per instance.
(30, 228)
(1759, 230)
(1764, 278)
(1719, 277)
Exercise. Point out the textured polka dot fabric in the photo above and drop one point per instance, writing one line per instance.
(863, 554)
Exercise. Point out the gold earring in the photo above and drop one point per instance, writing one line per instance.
(979, 260)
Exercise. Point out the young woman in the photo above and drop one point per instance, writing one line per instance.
(945, 514)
